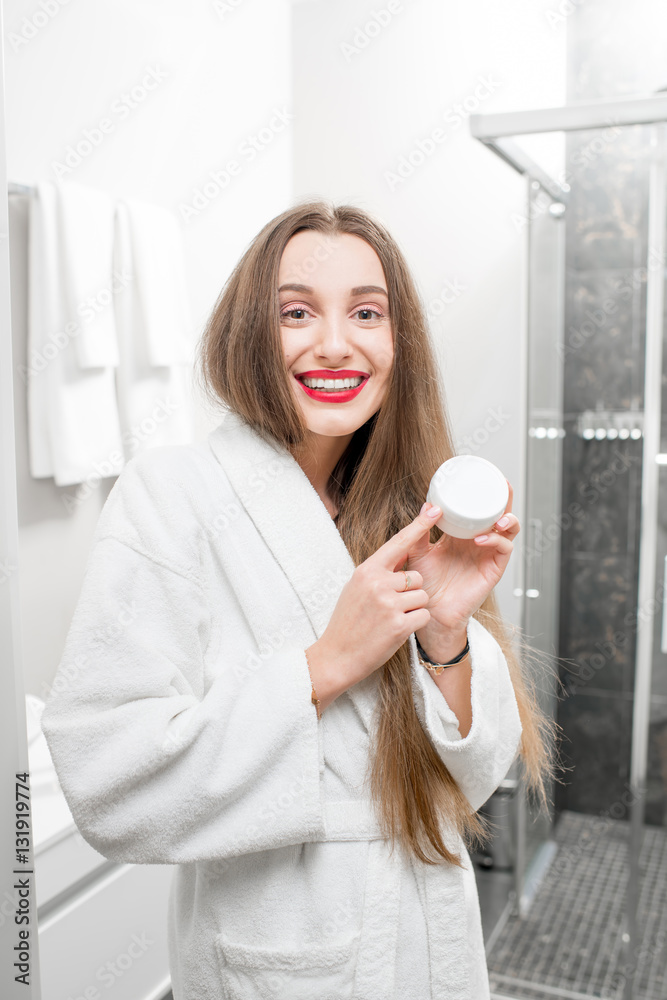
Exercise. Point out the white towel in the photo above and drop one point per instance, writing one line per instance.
(87, 244)
(155, 398)
(74, 431)
(158, 262)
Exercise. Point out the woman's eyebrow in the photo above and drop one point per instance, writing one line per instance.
(369, 290)
(295, 288)
(359, 290)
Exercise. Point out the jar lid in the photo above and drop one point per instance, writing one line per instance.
(471, 492)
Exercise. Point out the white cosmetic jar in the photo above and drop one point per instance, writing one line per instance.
(472, 494)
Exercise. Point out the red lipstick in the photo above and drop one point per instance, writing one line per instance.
(339, 396)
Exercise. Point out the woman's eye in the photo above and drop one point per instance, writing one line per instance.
(290, 312)
(299, 313)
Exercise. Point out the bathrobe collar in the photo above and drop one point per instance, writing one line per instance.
(293, 521)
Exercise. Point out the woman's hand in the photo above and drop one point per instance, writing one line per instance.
(373, 616)
(459, 573)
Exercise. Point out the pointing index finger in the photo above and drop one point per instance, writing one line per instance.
(395, 550)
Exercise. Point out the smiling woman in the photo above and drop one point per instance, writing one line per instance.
(338, 344)
(265, 722)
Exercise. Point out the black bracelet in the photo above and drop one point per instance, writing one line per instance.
(449, 663)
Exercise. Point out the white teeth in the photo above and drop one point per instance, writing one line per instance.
(333, 383)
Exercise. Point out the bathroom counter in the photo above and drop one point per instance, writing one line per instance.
(102, 925)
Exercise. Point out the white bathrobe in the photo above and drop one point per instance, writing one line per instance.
(183, 732)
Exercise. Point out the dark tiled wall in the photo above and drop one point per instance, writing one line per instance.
(605, 315)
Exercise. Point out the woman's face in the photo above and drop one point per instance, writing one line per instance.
(335, 324)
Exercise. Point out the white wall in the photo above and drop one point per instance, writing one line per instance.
(220, 71)
(372, 81)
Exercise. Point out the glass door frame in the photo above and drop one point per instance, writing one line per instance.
(646, 591)
(543, 255)
(497, 131)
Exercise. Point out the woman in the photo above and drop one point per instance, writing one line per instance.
(262, 717)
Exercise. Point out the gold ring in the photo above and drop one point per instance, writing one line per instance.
(407, 582)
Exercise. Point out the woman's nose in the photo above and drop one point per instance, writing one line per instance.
(332, 339)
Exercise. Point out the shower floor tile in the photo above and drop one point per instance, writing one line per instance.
(570, 945)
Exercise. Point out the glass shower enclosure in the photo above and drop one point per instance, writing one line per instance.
(594, 547)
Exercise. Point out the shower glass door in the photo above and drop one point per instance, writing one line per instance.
(541, 549)
(590, 918)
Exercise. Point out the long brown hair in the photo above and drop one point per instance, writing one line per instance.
(379, 486)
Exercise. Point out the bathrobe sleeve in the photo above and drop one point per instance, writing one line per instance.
(165, 755)
(481, 760)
